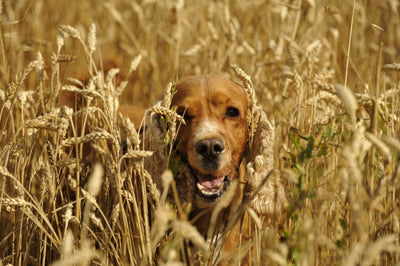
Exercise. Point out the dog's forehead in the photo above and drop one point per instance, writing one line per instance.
(209, 88)
(223, 90)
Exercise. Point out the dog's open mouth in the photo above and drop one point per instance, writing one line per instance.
(211, 187)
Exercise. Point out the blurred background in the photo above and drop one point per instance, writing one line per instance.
(267, 39)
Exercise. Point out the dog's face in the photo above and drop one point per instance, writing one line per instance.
(214, 138)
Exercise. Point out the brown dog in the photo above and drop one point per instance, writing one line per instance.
(214, 151)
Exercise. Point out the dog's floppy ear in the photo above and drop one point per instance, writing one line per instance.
(153, 140)
(260, 164)
(263, 187)
(160, 133)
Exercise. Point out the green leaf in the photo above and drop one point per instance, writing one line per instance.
(310, 146)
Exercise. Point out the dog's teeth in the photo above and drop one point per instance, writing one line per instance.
(200, 187)
(208, 193)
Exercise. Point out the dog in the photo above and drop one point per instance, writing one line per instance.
(216, 147)
(225, 140)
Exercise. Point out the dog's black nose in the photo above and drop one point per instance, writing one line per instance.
(210, 148)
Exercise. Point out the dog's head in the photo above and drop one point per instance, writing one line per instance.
(213, 140)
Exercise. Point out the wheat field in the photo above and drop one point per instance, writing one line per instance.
(327, 72)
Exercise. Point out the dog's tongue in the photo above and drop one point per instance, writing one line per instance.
(210, 182)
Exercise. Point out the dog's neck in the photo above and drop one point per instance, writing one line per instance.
(201, 220)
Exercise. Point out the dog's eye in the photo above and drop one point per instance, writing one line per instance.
(188, 117)
(232, 112)
(182, 111)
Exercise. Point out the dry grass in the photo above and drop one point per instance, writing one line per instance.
(326, 71)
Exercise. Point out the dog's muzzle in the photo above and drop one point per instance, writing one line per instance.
(209, 152)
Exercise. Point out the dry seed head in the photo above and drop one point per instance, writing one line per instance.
(89, 137)
(127, 195)
(192, 50)
(389, 93)
(48, 179)
(68, 214)
(86, 110)
(61, 58)
(115, 215)
(134, 64)
(83, 256)
(152, 187)
(167, 177)
(120, 89)
(133, 135)
(95, 180)
(251, 118)
(19, 78)
(71, 182)
(91, 199)
(348, 99)
(276, 257)
(96, 221)
(92, 38)
(298, 83)
(249, 48)
(137, 154)
(248, 84)
(60, 42)
(46, 122)
(350, 160)
(66, 112)
(24, 95)
(163, 216)
(376, 248)
(313, 50)
(213, 31)
(253, 215)
(293, 54)
(382, 148)
(111, 76)
(392, 143)
(190, 232)
(68, 30)
(15, 202)
(115, 14)
(68, 244)
(167, 112)
(324, 96)
(172, 130)
(392, 67)
(75, 82)
(290, 175)
(167, 96)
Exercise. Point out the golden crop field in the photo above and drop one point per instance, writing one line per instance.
(327, 72)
